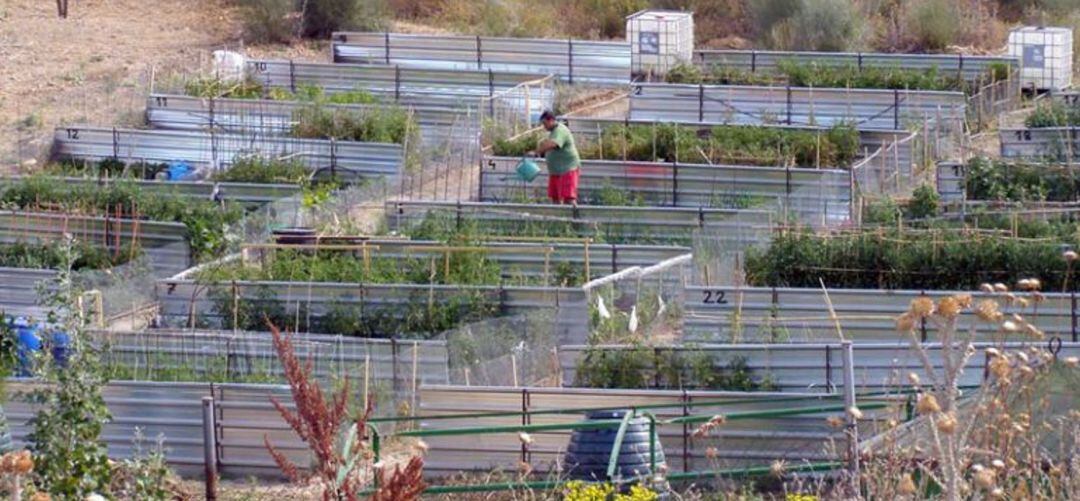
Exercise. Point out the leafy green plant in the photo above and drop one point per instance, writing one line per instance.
(207, 222)
(264, 170)
(145, 475)
(212, 86)
(809, 74)
(71, 460)
(929, 259)
(1054, 114)
(51, 256)
(687, 367)
(925, 202)
(390, 124)
(836, 147)
(988, 179)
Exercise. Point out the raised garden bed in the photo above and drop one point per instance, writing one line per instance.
(835, 147)
(804, 74)
(207, 222)
(933, 259)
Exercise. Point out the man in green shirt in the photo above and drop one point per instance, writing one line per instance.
(562, 158)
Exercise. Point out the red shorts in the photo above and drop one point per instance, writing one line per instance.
(563, 187)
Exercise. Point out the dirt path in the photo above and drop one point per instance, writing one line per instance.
(94, 66)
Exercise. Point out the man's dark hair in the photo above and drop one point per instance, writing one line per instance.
(547, 115)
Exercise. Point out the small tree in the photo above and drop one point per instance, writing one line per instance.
(66, 439)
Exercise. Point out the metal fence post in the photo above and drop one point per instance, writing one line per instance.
(849, 403)
(210, 447)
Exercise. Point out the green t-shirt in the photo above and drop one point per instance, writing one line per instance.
(565, 158)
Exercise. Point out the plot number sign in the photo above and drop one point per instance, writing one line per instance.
(649, 42)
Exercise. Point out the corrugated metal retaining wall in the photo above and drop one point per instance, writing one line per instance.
(819, 196)
(181, 301)
(814, 367)
(575, 61)
(438, 123)
(951, 181)
(783, 315)
(738, 442)
(344, 158)
(210, 352)
(446, 86)
(19, 291)
(173, 411)
(762, 61)
(747, 105)
(1048, 143)
(165, 244)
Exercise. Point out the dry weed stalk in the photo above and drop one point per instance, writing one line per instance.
(341, 458)
(985, 447)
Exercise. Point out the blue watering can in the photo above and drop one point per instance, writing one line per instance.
(527, 170)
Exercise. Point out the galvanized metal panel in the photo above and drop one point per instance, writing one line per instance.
(165, 244)
(950, 181)
(210, 352)
(438, 122)
(1048, 143)
(970, 67)
(445, 86)
(865, 315)
(346, 158)
(19, 291)
(571, 60)
(746, 105)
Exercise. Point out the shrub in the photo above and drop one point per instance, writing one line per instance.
(935, 24)
(825, 25)
(988, 179)
(52, 256)
(935, 259)
(388, 124)
(256, 169)
(1054, 114)
(925, 202)
(768, 13)
(212, 86)
(268, 21)
(642, 367)
(798, 74)
(320, 18)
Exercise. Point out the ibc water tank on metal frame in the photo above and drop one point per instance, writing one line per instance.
(1046, 55)
(659, 40)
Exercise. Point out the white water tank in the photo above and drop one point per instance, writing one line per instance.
(660, 40)
(1046, 55)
